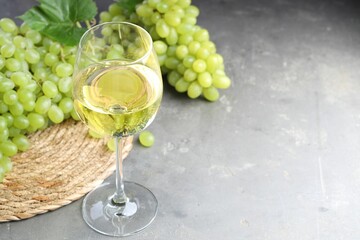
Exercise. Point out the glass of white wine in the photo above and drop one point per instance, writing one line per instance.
(117, 91)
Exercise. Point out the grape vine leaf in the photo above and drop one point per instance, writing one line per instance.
(129, 5)
(58, 19)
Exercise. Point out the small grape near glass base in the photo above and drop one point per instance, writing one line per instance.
(117, 92)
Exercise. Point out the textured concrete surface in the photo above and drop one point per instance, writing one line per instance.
(276, 158)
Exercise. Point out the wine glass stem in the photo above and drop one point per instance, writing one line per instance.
(119, 196)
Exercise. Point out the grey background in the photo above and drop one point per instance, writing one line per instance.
(277, 157)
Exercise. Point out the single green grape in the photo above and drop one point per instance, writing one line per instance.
(146, 138)
(113, 55)
(107, 31)
(7, 50)
(4, 135)
(114, 9)
(50, 89)
(181, 52)
(144, 10)
(202, 53)
(188, 61)
(181, 68)
(19, 78)
(183, 3)
(25, 95)
(162, 7)
(3, 123)
(21, 122)
(55, 114)
(173, 77)
(111, 144)
(212, 63)
(32, 56)
(8, 25)
(190, 75)
(6, 84)
(42, 105)
(52, 77)
(192, 11)
(172, 37)
(194, 46)
(50, 59)
(194, 90)
(65, 84)
(181, 85)
(162, 59)
(172, 19)
(155, 17)
(74, 115)
(12, 64)
(5, 164)
(171, 51)
(55, 48)
(185, 39)
(171, 62)
(162, 28)
(64, 70)
(185, 28)
(41, 74)
(189, 20)
(46, 42)
(21, 142)
(211, 93)
(16, 109)
(10, 97)
(221, 82)
(199, 65)
(4, 39)
(19, 54)
(57, 98)
(34, 36)
(29, 106)
(32, 86)
(205, 79)
(3, 107)
(36, 120)
(105, 17)
(66, 105)
(9, 118)
(8, 148)
(201, 35)
(160, 47)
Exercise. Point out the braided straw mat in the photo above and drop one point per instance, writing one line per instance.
(62, 165)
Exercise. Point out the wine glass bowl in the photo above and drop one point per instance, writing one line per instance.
(117, 90)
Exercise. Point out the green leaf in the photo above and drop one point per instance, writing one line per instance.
(58, 19)
(129, 5)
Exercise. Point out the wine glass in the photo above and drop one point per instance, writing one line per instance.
(117, 90)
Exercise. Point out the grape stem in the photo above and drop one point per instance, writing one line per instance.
(62, 55)
(88, 25)
(78, 25)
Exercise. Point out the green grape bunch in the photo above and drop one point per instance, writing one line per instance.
(35, 87)
(186, 54)
(36, 70)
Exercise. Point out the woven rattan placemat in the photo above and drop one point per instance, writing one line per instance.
(62, 165)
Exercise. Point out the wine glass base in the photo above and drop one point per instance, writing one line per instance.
(119, 220)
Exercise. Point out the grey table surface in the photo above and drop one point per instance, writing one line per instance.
(277, 157)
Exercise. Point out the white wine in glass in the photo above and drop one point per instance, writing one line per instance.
(117, 92)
